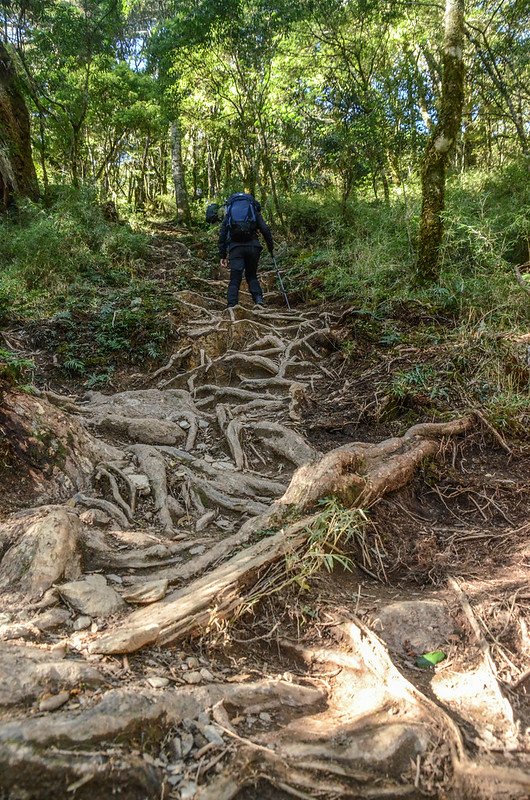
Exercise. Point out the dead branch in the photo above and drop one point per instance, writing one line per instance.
(519, 277)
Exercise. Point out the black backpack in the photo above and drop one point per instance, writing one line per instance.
(241, 210)
(212, 213)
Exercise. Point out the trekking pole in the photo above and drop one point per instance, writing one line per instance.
(282, 287)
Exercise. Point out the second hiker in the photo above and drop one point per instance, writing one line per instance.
(239, 246)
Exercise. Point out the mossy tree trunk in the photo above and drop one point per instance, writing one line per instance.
(441, 144)
(179, 180)
(17, 171)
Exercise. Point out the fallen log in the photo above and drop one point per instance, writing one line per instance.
(357, 474)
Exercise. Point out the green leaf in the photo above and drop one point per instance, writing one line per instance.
(430, 659)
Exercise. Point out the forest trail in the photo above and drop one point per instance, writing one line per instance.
(170, 629)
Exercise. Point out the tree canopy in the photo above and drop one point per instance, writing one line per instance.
(147, 97)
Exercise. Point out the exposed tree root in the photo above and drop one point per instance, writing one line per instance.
(359, 473)
(386, 467)
(171, 508)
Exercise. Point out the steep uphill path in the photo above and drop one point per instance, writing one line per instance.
(163, 512)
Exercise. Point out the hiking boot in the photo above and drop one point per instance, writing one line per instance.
(259, 301)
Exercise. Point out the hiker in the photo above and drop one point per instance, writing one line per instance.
(240, 247)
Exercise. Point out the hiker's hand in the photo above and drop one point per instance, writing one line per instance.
(224, 263)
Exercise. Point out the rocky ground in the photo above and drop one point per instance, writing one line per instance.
(211, 589)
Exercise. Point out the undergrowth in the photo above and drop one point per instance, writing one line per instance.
(464, 334)
(94, 335)
(363, 251)
(72, 276)
(50, 254)
(15, 370)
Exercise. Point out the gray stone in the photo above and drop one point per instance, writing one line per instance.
(157, 682)
(187, 743)
(422, 625)
(203, 718)
(192, 677)
(26, 672)
(184, 424)
(53, 618)
(176, 747)
(92, 596)
(206, 674)
(81, 623)
(198, 550)
(211, 733)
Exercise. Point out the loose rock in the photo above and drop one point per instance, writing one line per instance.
(211, 733)
(81, 623)
(192, 677)
(51, 619)
(54, 701)
(158, 682)
(186, 743)
(148, 592)
(92, 596)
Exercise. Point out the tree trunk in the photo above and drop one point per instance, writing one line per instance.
(17, 171)
(179, 183)
(441, 144)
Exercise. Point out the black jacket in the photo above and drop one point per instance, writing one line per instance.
(225, 245)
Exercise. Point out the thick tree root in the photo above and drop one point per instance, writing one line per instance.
(71, 764)
(360, 473)
(48, 449)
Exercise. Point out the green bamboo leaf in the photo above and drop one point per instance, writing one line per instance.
(430, 659)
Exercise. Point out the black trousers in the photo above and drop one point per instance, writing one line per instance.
(244, 260)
